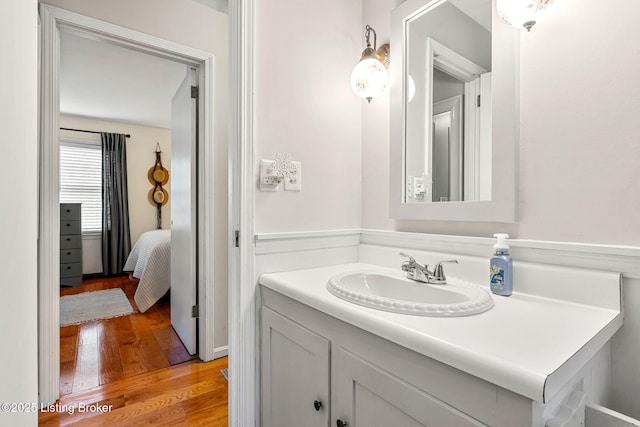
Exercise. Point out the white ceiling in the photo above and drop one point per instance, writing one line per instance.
(104, 81)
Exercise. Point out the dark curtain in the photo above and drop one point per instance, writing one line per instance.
(116, 236)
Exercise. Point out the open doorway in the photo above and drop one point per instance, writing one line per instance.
(54, 21)
(113, 89)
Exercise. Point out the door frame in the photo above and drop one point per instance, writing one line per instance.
(52, 19)
(244, 353)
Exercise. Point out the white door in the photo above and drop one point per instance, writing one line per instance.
(183, 211)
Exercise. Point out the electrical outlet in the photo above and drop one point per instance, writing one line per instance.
(294, 182)
(271, 180)
(419, 189)
(268, 181)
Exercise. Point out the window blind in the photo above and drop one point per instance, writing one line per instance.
(81, 180)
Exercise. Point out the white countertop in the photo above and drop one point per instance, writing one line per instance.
(527, 344)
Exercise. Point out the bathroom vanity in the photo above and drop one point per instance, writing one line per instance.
(328, 362)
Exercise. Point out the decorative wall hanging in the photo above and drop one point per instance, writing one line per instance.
(158, 176)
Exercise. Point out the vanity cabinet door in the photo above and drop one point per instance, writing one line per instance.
(295, 374)
(365, 395)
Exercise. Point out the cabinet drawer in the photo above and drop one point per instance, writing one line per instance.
(71, 281)
(70, 227)
(71, 269)
(71, 241)
(70, 211)
(70, 255)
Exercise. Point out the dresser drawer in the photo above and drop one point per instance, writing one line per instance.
(70, 211)
(70, 227)
(71, 269)
(70, 255)
(71, 241)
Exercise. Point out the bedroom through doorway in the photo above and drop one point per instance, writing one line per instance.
(151, 266)
(196, 43)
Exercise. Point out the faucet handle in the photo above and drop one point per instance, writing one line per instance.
(410, 263)
(411, 259)
(438, 272)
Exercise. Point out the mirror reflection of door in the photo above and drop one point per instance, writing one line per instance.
(447, 139)
(447, 154)
(456, 141)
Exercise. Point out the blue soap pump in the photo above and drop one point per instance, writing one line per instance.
(500, 267)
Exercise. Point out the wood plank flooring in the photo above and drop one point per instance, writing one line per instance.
(103, 351)
(136, 369)
(190, 394)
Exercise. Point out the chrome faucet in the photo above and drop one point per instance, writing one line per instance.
(421, 273)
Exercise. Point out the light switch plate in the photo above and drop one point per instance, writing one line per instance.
(295, 182)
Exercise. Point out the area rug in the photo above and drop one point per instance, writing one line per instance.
(88, 306)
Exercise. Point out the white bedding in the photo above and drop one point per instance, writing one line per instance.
(150, 261)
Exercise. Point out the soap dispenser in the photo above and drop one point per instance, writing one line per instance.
(500, 270)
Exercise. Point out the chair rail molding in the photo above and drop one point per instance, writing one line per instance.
(617, 258)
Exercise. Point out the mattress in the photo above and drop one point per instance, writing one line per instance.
(150, 261)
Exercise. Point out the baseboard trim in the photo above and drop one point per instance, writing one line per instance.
(219, 352)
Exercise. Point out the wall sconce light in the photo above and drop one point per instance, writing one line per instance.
(525, 13)
(369, 77)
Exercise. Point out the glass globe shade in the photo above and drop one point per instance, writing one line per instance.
(525, 13)
(369, 78)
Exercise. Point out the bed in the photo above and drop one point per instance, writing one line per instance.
(150, 261)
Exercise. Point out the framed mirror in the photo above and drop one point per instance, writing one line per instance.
(454, 112)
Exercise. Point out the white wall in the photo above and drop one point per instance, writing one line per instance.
(19, 213)
(580, 105)
(578, 151)
(140, 157)
(198, 26)
(579, 148)
(375, 132)
(305, 51)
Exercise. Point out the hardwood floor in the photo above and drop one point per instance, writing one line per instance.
(103, 351)
(134, 368)
(190, 394)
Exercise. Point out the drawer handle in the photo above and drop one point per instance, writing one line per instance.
(68, 225)
(317, 404)
(68, 210)
(68, 268)
(341, 423)
(68, 239)
(68, 253)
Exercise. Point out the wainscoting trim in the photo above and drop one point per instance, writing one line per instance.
(300, 241)
(616, 258)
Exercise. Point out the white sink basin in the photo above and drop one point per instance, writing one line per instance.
(391, 291)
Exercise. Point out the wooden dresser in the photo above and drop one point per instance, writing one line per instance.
(70, 244)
